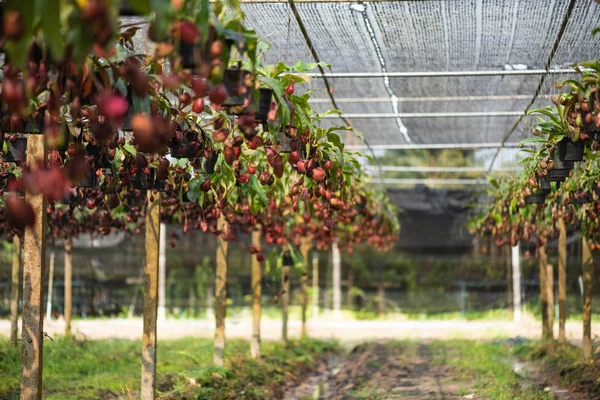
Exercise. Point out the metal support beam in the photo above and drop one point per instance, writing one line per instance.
(336, 261)
(434, 146)
(410, 181)
(442, 74)
(424, 99)
(394, 168)
(428, 115)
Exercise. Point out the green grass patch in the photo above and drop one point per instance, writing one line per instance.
(104, 368)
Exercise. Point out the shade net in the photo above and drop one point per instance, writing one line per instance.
(404, 36)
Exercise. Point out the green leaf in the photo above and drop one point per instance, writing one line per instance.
(130, 149)
(595, 31)
(335, 139)
(302, 66)
(142, 7)
(51, 27)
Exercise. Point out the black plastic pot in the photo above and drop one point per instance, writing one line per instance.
(544, 185)
(147, 182)
(535, 199)
(90, 180)
(194, 54)
(264, 104)
(126, 10)
(234, 79)
(17, 150)
(569, 150)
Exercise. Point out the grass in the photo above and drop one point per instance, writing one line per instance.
(566, 360)
(485, 367)
(98, 369)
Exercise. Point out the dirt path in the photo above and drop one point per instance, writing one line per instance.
(385, 371)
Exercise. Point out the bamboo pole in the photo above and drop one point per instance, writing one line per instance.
(14, 289)
(562, 280)
(588, 264)
(543, 262)
(305, 250)
(220, 294)
(150, 310)
(68, 284)
(315, 285)
(50, 284)
(256, 295)
(550, 297)
(34, 265)
(285, 297)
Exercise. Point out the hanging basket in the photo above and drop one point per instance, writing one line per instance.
(544, 186)
(569, 150)
(263, 105)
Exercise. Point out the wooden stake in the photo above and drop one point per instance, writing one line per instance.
(34, 266)
(68, 284)
(304, 249)
(150, 297)
(543, 262)
(562, 280)
(550, 297)
(285, 297)
(588, 265)
(315, 285)
(220, 294)
(14, 290)
(256, 295)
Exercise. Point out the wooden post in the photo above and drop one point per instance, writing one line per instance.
(150, 310)
(256, 295)
(68, 284)
(562, 280)
(550, 297)
(381, 300)
(315, 285)
(162, 273)
(285, 297)
(543, 262)
(516, 281)
(34, 265)
(14, 290)
(220, 294)
(588, 263)
(336, 260)
(305, 250)
(50, 284)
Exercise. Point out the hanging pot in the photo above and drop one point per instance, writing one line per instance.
(544, 186)
(238, 92)
(535, 199)
(147, 182)
(264, 104)
(569, 150)
(590, 129)
(193, 55)
(17, 150)
(90, 180)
